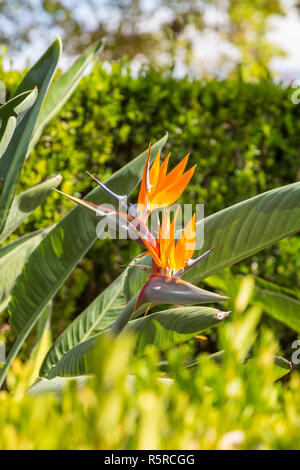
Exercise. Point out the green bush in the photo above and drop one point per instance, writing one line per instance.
(244, 138)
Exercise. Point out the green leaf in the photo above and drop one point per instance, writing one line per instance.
(40, 76)
(97, 316)
(163, 329)
(8, 131)
(12, 259)
(42, 345)
(61, 90)
(56, 257)
(280, 306)
(57, 385)
(248, 227)
(281, 365)
(25, 203)
(167, 328)
(11, 114)
(277, 301)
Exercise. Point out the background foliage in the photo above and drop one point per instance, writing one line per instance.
(244, 138)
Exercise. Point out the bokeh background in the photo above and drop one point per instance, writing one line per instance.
(217, 75)
(193, 37)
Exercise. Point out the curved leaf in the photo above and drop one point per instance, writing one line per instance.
(12, 260)
(280, 306)
(108, 310)
(25, 203)
(163, 329)
(11, 114)
(97, 316)
(277, 301)
(8, 131)
(61, 90)
(248, 227)
(281, 365)
(40, 76)
(57, 385)
(167, 328)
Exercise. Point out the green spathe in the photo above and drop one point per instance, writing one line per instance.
(171, 290)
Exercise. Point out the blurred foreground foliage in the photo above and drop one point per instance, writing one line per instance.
(244, 138)
(208, 407)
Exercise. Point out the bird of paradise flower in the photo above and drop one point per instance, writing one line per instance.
(170, 259)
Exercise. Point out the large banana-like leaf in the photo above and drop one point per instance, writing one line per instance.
(163, 329)
(279, 305)
(40, 76)
(61, 90)
(97, 316)
(11, 114)
(55, 258)
(248, 227)
(12, 259)
(167, 328)
(25, 203)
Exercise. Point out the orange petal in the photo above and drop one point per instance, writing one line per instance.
(153, 253)
(173, 176)
(170, 194)
(164, 167)
(185, 246)
(154, 171)
(143, 190)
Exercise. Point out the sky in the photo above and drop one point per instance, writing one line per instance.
(286, 33)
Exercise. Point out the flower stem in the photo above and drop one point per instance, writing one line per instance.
(124, 317)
